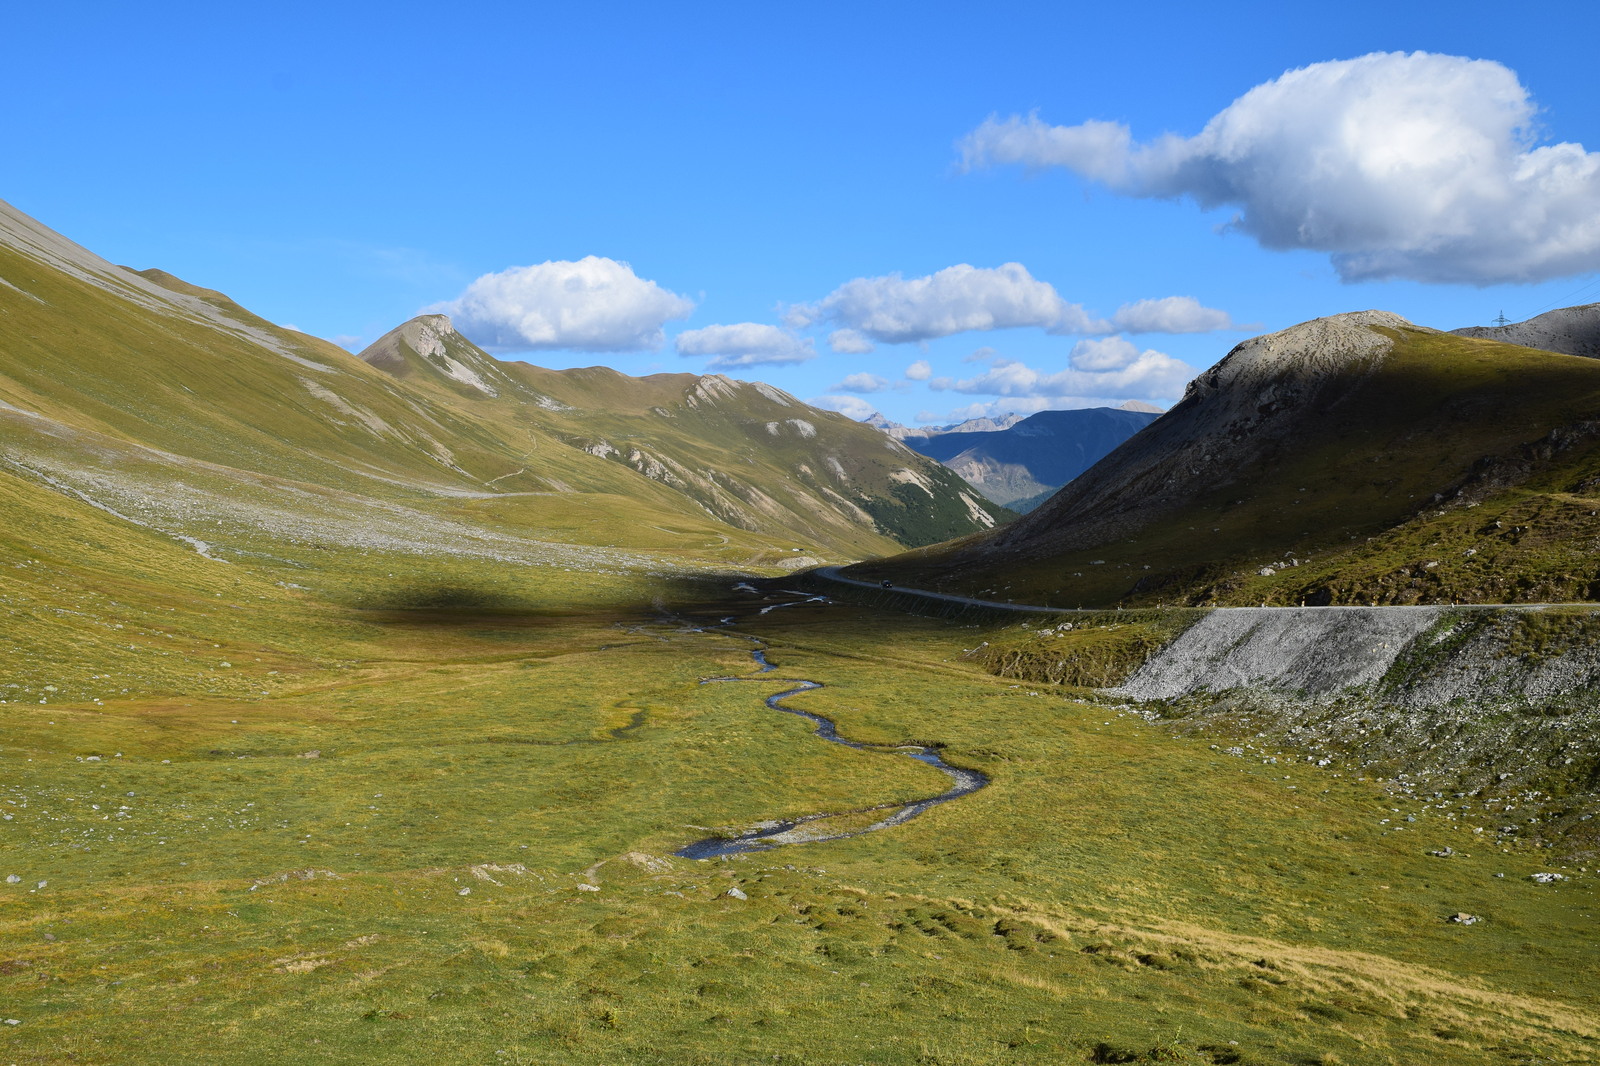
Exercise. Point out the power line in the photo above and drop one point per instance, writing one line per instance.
(1590, 286)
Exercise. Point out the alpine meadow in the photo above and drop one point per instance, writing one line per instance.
(924, 668)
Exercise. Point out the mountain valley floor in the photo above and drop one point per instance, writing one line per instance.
(381, 824)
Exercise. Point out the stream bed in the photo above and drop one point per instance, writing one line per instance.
(814, 828)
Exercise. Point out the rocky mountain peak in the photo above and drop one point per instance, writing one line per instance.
(432, 341)
(1307, 353)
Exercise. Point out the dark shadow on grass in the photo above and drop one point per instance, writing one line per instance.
(460, 604)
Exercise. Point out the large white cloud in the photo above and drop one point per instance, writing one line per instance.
(746, 344)
(861, 383)
(897, 310)
(962, 298)
(848, 342)
(849, 406)
(1100, 367)
(593, 305)
(1171, 314)
(1400, 165)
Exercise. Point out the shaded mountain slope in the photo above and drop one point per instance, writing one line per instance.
(1350, 459)
(1036, 455)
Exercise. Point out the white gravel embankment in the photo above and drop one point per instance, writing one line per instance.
(1312, 650)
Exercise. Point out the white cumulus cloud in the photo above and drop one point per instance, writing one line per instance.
(1171, 314)
(861, 383)
(1417, 165)
(1027, 405)
(746, 344)
(849, 342)
(593, 305)
(921, 370)
(1096, 367)
(897, 310)
(849, 406)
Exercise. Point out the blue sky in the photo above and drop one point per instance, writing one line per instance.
(731, 185)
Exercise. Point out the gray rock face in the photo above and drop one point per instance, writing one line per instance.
(1569, 330)
(1453, 656)
(1500, 706)
(1476, 668)
(1315, 651)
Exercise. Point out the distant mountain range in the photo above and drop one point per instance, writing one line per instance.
(971, 425)
(1351, 459)
(1021, 462)
(172, 407)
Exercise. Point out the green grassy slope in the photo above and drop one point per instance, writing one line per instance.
(747, 453)
(310, 738)
(143, 369)
(1450, 470)
(214, 890)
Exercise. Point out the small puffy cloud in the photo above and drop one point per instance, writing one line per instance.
(347, 340)
(1096, 367)
(862, 383)
(591, 305)
(1415, 166)
(1026, 405)
(1171, 314)
(919, 371)
(898, 310)
(745, 344)
(849, 406)
(1099, 355)
(849, 342)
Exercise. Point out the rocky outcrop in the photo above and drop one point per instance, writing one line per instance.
(1498, 707)
(431, 341)
(1414, 657)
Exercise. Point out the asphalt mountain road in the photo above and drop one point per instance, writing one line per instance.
(831, 573)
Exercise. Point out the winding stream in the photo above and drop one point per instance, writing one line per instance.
(807, 830)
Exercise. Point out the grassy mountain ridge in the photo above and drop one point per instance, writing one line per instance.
(1353, 459)
(126, 369)
(358, 717)
(745, 452)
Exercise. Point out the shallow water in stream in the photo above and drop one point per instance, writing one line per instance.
(812, 828)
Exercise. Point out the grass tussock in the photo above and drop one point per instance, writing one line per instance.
(1094, 650)
(309, 806)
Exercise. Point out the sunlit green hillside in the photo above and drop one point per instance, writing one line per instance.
(355, 710)
(169, 403)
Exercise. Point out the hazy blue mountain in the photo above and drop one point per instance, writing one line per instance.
(1020, 466)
